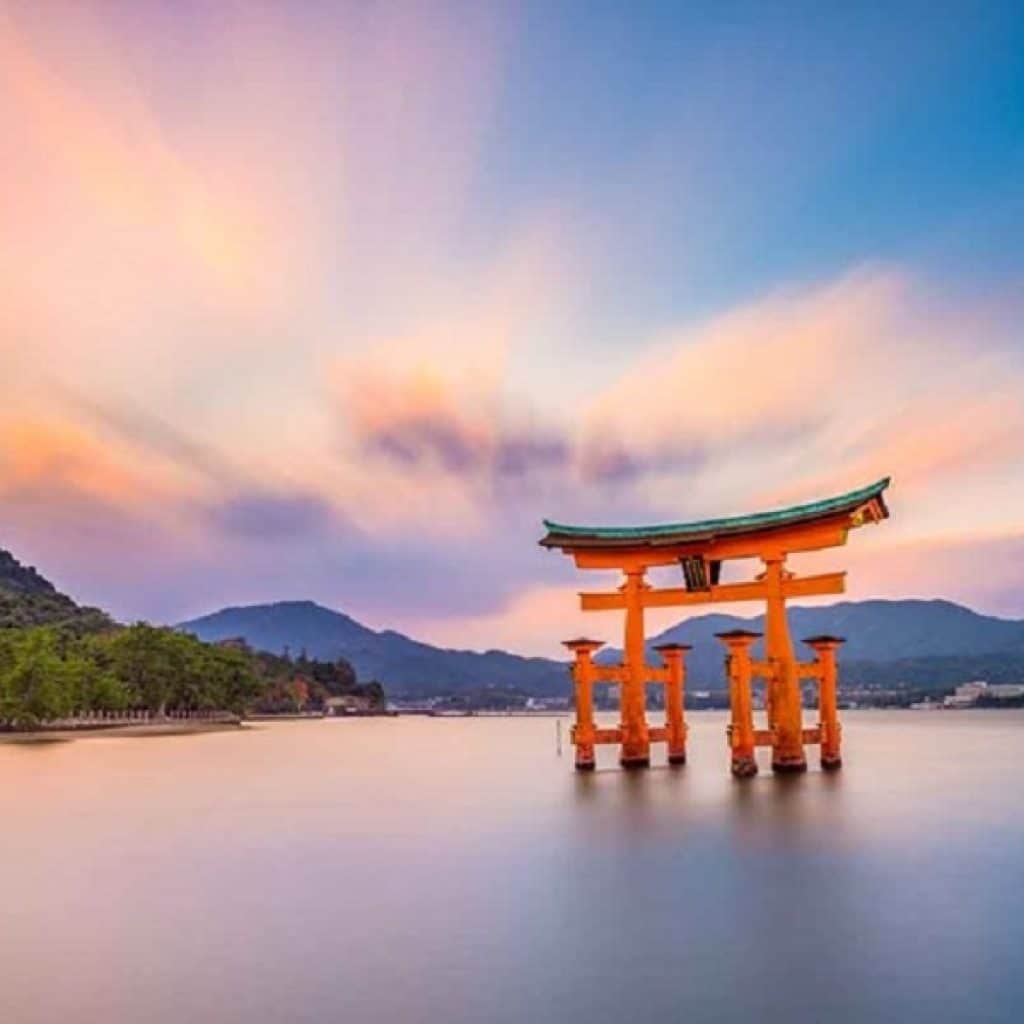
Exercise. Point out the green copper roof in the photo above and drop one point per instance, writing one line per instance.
(561, 535)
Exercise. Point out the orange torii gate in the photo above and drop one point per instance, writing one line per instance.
(700, 548)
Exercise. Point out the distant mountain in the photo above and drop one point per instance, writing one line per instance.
(28, 599)
(403, 665)
(16, 578)
(886, 641)
(925, 643)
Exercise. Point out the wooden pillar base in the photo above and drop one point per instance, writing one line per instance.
(677, 758)
(744, 767)
(585, 757)
(831, 764)
(789, 765)
(635, 761)
(635, 751)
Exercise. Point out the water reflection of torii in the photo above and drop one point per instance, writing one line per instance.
(700, 548)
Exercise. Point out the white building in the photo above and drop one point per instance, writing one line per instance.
(966, 695)
(347, 705)
(1006, 691)
(969, 694)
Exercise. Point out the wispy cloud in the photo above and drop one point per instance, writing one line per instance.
(312, 304)
(265, 516)
(419, 422)
(819, 387)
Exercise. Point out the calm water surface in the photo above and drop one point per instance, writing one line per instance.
(418, 870)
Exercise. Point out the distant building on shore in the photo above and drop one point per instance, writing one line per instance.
(349, 704)
(547, 704)
(969, 694)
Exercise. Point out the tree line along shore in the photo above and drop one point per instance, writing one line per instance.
(61, 660)
(50, 673)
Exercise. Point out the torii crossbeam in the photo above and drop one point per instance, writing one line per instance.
(700, 548)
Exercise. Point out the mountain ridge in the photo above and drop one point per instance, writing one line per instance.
(29, 599)
(876, 630)
(914, 640)
(404, 665)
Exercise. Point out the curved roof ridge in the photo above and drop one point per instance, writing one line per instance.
(562, 532)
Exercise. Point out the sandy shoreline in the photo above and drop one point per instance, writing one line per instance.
(129, 729)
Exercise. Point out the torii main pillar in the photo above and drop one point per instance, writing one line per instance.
(636, 741)
(784, 702)
(700, 549)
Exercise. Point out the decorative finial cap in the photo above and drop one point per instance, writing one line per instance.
(582, 643)
(739, 634)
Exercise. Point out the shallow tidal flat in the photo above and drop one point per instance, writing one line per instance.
(457, 870)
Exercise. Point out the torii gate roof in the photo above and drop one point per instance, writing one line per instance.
(867, 500)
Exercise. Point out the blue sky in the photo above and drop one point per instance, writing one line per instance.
(338, 300)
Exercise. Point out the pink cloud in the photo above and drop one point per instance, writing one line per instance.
(418, 423)
(818, 389)
(980, 569)
(255, 278)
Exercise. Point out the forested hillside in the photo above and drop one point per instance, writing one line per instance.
(27, 599)
(59, 659)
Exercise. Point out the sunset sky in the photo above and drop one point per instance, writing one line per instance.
(337, 301)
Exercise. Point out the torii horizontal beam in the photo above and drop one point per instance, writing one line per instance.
(620, 673)
(671, 597)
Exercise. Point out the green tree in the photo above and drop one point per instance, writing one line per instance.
(233, 677)
(34, 687)
(145, 660)
(90, 685)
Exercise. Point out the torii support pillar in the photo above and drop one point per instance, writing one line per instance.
(825, 648)
(674, 656)
(583, 677)
(785, 704)
(636, 742)
(741, 729)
